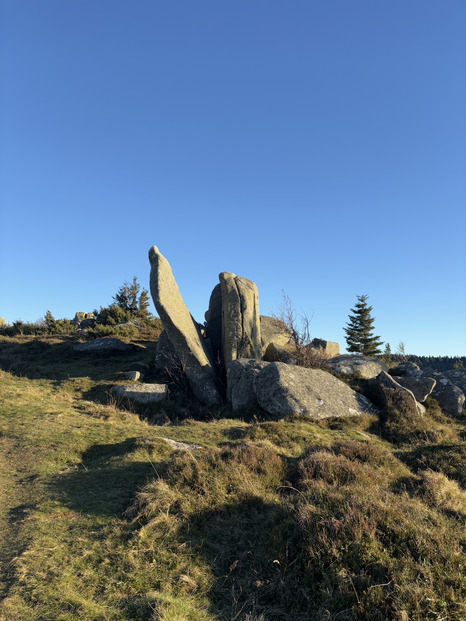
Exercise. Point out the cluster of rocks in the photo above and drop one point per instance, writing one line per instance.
(83, 321)
(247, 359)
(240, 355)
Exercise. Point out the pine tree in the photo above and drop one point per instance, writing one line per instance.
(133, 300)
(359, 330)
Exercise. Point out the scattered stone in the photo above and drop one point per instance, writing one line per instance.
(282, 389)
(240, 382)
(357, 365)
(387, 381)
(105, 344)
(182, 446)
(326, 348)
(275, 353)
(273, 331)
(134, 375)
(142, 393)
(182, 330)
(241, 335)
(420, 386)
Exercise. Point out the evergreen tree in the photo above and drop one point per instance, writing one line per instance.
(359, 330)
(131, 299)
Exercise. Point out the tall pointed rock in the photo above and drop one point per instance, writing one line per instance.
(182, 330)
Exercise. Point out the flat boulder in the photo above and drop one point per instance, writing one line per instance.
(360, 366)
(240, 382)
(241, 332)
(104, 345)
(182, 331)
(282, 390)
(141, 393)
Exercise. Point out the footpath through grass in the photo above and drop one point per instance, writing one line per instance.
(102, 519)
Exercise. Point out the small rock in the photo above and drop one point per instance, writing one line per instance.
(134, 375)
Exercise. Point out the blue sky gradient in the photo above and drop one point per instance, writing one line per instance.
(314, 147)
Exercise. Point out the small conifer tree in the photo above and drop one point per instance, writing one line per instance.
(359, 331)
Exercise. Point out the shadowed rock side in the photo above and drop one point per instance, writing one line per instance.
(240, 318)
(213, 325)
(181, 330)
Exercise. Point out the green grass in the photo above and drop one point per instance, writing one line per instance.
(103, 520)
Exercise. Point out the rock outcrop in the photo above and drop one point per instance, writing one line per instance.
(282, 390)
(357, 365)
(450, 397)
(182, 330)
(241, 336)
(387, 381)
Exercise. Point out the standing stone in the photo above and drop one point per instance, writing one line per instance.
(241, 336)
(182, 330)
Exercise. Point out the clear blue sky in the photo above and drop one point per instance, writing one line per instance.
(313, 146)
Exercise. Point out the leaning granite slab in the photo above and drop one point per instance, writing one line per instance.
(420, 386)
(357, 365)
(241, 374)
(105, 344)
(387, 381)
(141, 393)
(283, 389)
(182, 330)
(241, 335)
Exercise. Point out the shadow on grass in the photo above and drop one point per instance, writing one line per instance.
(43, 359)
(102, 484)
(446, 458)
(254, 551)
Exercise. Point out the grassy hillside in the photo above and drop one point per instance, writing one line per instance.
(103, 519)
